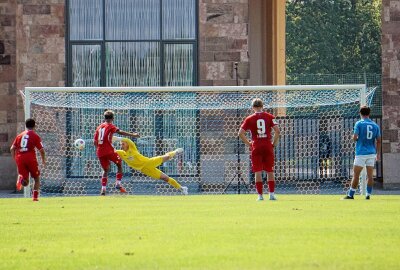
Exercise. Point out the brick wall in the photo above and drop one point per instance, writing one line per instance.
(391, 91)
(8, 69)
(32, 53)
(8, 101)
(223, 40)
(40, 43)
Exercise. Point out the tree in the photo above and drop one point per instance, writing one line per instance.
(333, 36)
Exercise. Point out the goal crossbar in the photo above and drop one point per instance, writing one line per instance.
(197, 88)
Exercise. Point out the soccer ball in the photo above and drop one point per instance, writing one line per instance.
(79, 144)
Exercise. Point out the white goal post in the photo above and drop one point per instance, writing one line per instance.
(314, 156)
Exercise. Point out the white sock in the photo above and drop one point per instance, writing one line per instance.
(271, 193)
(103, 188)
(118, 182)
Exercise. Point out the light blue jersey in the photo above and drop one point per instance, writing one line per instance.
(368, 131)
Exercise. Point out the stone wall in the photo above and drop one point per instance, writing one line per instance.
(223, 40)
(391, 92)
(8, 91)
(40, 43)
(32, 53)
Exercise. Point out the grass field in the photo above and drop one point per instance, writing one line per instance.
(200, 232)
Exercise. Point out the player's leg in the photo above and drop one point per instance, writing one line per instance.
(36, 187)
(23, 173)
(354, 183)
(159, 175)
(117, 160)
(35, 173)
(119, 175)
(370, 164)
(370, 182)
(105, 165)
(174, 183)
(18, 185)
(259, 185)
(172, 154)
(271, 185)
(256, 167)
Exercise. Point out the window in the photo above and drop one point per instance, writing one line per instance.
(132, 42)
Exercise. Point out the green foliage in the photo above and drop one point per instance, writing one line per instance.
(200, 232)
(333, 36)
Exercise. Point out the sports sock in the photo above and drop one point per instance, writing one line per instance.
(104, 181)
(174, 183)
(259, 187)
(119, 177)
(369, 190)
(35, 194)
(351, 192)
(271, 186)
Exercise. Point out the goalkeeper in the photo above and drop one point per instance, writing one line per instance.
(148, 166)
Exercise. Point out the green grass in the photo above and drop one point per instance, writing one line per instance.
(200, 232)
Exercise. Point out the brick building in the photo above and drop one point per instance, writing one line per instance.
(41, 44)
(391, 91)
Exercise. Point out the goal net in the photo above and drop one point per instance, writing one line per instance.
(314, 156)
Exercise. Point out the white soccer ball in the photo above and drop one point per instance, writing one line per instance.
(79, 144)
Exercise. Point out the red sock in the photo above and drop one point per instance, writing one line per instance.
(104, 181)
(259, 187)
(119, 176)
(271, 186)
(35, 194)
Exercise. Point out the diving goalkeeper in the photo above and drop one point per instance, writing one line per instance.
(148, 166)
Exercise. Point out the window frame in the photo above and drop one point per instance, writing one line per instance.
(102, 42)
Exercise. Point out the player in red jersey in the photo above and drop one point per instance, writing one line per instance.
(106, 152)
(262, 145)
(23, 151)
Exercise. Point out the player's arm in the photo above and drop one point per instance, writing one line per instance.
(124, 133)
(378, 148)
(356, 132)
(39, 146)
(378, 144)
(277, 135)
(43, 156)
(13, 149)
(242, 136)
(95, 139)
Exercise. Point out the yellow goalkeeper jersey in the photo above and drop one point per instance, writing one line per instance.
(132, 157)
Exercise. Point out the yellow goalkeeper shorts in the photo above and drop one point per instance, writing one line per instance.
(150, 168)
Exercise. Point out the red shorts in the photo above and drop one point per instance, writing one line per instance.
(105, 160)
(27, 164)
(262, 158)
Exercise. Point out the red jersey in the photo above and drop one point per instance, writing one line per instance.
(103, 139)
(259, 124)
(26, 142)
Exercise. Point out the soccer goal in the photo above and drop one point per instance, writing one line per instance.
(314, 156)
